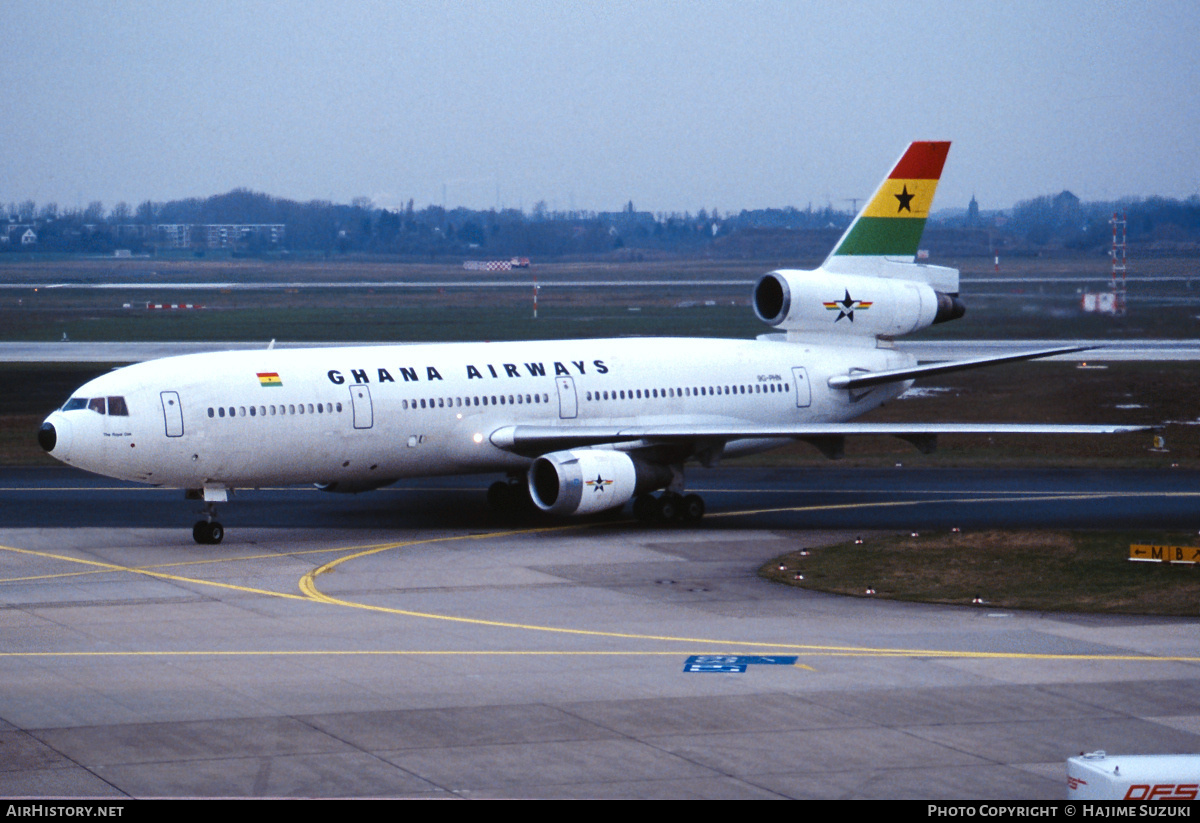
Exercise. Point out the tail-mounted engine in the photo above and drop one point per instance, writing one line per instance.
(591, 480)
(813, 303)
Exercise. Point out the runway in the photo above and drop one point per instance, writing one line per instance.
(924, 350)
(402, 643)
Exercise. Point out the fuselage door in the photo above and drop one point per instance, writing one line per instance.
(360, 402)
(172, 413)
(568, 403)
(803, 390)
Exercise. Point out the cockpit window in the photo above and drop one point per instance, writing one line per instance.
(100, 405)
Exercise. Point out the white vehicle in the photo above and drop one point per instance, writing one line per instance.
(579, 426)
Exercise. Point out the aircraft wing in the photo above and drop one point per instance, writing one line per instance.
(875, 378)
(532, 441)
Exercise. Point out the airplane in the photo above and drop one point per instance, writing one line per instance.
(578, 426)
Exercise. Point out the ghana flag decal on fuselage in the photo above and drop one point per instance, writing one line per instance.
(269, 379)
(891, 223)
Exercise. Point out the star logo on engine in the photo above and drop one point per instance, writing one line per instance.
(847, 306)
(599, 483)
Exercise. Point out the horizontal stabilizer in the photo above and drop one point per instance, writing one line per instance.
(866, 379)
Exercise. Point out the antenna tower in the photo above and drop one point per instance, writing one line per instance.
(1118, 254)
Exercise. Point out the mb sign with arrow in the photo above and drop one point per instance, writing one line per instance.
(1164, 554)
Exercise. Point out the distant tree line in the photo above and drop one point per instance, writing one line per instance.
(434, 233)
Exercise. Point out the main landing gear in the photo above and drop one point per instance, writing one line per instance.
(669, 507)
(510, 497)
(208, 532)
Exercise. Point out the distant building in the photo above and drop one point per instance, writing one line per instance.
(18, 235)
(175, 235)
(220, 235)
(229, 235)
(973, 213)
(1066, 207)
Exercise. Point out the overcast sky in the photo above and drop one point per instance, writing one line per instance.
(675, 105)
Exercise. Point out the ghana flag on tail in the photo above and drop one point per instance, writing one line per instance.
(890, 225)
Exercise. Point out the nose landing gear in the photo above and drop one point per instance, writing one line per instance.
(208, 532)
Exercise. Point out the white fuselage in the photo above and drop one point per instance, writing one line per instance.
(361, 415)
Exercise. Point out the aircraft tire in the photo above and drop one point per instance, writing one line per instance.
(208, 534)
(644, 507)
(692, 509)
(668, 507)
(500, 497)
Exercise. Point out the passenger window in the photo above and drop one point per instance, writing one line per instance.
(211, 413)
(221, 411)
(252, 411)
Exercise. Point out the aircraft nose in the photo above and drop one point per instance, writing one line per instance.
(47, 436)
(55, 435)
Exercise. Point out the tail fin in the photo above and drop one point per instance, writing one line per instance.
(889, 227)
(875, 260)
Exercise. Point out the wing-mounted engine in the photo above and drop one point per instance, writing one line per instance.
(584, 481)
(810, 304)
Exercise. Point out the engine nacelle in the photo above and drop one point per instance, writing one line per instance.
(806, 303)
(591, 480)
(353, 486)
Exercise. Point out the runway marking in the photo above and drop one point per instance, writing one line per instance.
(269, 556)
(106, 569)
(115, 567)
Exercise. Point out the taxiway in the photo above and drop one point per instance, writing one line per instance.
(401, 643)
